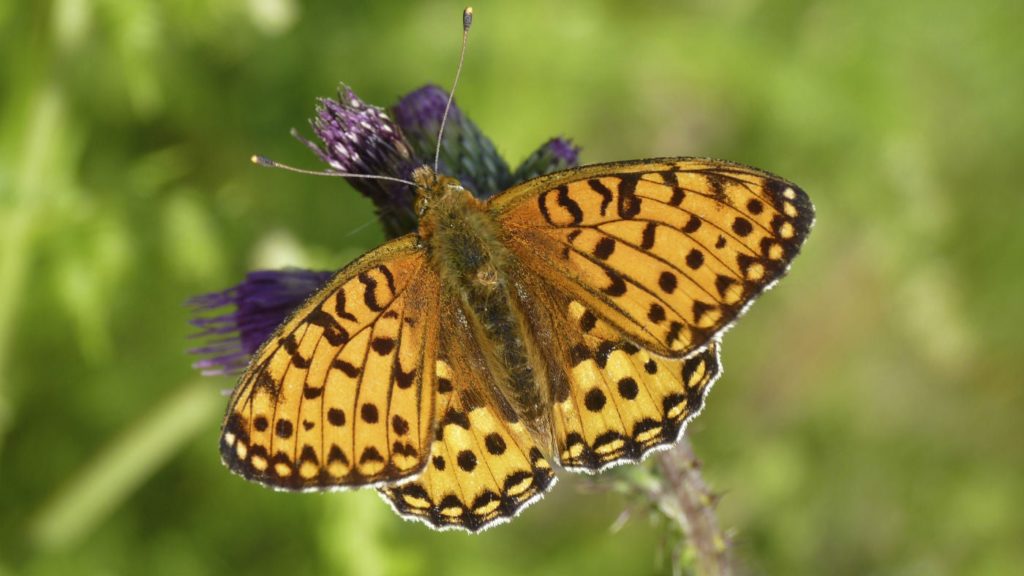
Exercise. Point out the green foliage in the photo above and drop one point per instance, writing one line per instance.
(869, 417)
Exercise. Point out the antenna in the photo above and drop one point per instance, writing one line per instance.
(467, 21)
(264, 161)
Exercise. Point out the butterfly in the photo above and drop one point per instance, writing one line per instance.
(572, 321)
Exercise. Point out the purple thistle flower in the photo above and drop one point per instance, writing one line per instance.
(466, 153)
(262, 301)
(361, 139)
(556, 154)
(358, 138)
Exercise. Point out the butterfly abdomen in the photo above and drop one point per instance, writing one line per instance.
(463, 243)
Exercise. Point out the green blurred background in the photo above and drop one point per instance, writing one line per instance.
(869, 420)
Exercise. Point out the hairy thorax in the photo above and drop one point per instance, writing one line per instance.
(462, 240)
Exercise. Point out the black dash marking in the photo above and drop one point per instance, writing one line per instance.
(451, 501)
(587, 321)
(692, 225)
(720, 243)
(439, 462)
(336, 455)
(292, 347)
(604, 350)
(606, 194)
(370, 454)
(386, 272)
(722, 284)
(390, 315)
(617, 286)
(646, 425)
(404, 449)
(629, 348)
(346, 368)
(604, 248)
(484, 499)
(648, 236)
(515, 478)
(311, 392)
(629, 202)
(672, 401)
(542, 204)
(265, 382)
(339, 306)
(578, 354)
(383, 345)
(569, 204)
(453, 416)
(690, 368)
(333, 331)
(370, 292)
(308, 425)
(404, 379)
(717, 184)
(444, 385)
(281, 458)
(308, 454)
(673, 332)
(700, 309)
(257, 452)
(744, 261)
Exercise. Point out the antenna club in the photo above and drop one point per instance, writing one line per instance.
(467, 20)
(261, 160)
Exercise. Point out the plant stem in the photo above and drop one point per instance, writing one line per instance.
(688, 501)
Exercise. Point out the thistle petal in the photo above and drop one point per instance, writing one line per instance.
(261, 303)
(358, 138)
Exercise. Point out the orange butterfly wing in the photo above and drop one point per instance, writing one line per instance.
(669, 252)
(343, 393)
(631, 272)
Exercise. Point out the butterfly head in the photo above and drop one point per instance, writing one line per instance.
(434, 189)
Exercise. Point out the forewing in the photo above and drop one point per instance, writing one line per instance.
(343, 393)
(669, 252)
(485, 467)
